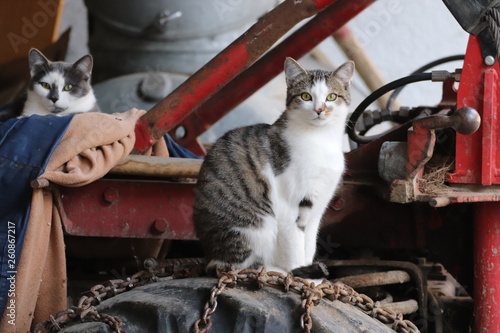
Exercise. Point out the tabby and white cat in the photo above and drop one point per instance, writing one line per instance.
(263, 189)
(59, 88)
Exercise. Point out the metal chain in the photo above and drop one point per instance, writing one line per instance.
(310, 294)
(85, 310)
(492, 18)
(204, 324)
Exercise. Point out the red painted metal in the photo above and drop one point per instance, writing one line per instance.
(490, 168)
(270, 65)
(487, 267)
(421, 141)
(476, 158)
(223, 68)
(129, 209)
(422, 136)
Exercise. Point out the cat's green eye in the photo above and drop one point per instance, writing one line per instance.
(306, 96)
(331, 97)
(68, 87)
(45, 85)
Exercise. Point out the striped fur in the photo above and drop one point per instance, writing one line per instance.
(262, 189)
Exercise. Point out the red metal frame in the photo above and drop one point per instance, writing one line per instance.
(221, 69)
(114, 208)
(266, 68)
(476, 160)
(241, 54)
(153, 209)
(487, 267)
(87, 211)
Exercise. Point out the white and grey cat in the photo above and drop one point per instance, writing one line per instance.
(262, 189)
(59, 88)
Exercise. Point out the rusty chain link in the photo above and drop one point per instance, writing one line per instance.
(85, 310)
(204, 324)
(310, 294)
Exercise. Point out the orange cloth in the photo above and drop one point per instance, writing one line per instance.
(92, 145)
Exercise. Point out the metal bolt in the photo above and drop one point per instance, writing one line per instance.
(150, 263)
(489, 60)
(338, 205)
(155, 86)
(159, 226)
(111, 195)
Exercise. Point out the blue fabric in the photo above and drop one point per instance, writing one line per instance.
(176, 150)
(26, 145)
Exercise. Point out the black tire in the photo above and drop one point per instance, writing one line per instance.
(173, 306)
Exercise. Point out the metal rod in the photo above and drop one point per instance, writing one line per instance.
(365, 66)
(376, 279)
(221, 69)
(156, 166)
(404, 307)
(267, 67)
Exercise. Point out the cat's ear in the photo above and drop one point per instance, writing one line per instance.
(345, 73)
(84, 64)
(36, 58)
(293, 70)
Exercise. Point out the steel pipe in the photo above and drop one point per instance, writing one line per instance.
(156, 166)
(486, 267)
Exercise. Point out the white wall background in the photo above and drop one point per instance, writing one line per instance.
(402, 35)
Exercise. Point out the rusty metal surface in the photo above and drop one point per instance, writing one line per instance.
(156, 166)
(375, 279)
(130, 209)
(415, 273)
(404, 307)
(223, 68)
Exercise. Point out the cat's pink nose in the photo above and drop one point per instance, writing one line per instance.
(318, 111)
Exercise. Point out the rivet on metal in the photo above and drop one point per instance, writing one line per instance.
(489, 60)
(159, 226)
(111, 195)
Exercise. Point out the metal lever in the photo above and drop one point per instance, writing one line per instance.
(465, 120)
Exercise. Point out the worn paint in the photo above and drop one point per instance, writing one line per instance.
(486, 268)
(136, 206)
(476, 158)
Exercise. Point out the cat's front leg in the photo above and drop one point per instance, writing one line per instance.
(311, 237)
(290, 250)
